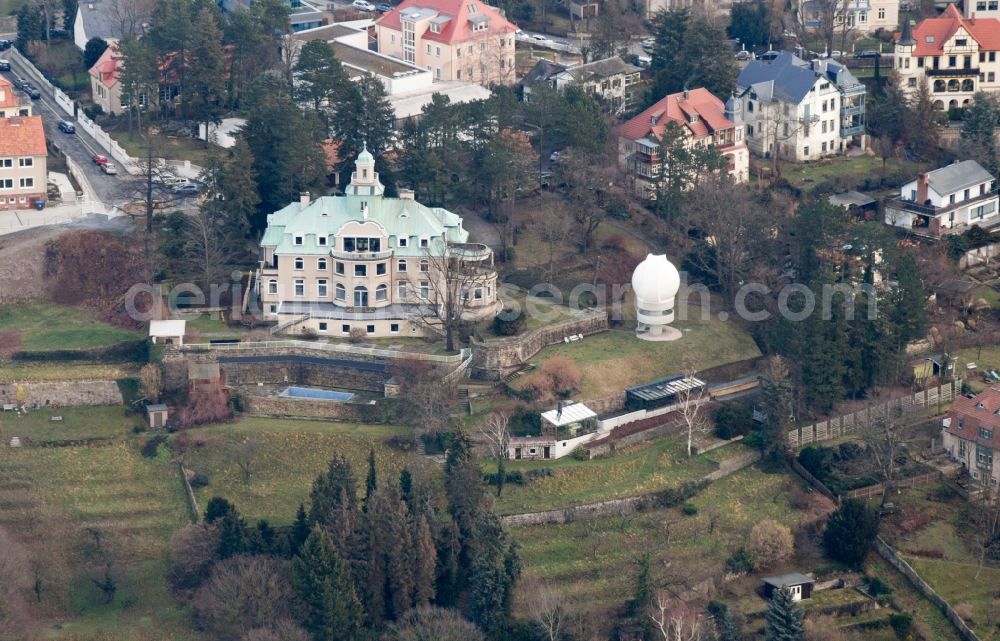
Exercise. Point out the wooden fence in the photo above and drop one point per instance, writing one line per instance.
(877, 489)
(849, 423)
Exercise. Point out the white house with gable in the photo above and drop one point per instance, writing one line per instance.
(946, 200)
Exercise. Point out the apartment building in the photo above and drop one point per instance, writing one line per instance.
(801, 110)
(956, 56)
(363, 264)
(12, 102)
(616, 84)
(23, 168)
(947, 200)
(852, 16)
(971, 435)
(705, 121)
(454, 39)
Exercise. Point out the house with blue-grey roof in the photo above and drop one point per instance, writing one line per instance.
(801, 110)
(364, 264)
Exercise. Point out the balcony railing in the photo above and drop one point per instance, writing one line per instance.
(852, 110)
(958, 72)
(852, 131)
(931, 210)
(345, 255)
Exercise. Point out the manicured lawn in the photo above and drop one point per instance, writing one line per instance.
(24, 372)
(44, 326)
(53, 497)
(806, 175)
(643, 468)
(613, 360)
(78, 423)
(592, 563)
(291, 454)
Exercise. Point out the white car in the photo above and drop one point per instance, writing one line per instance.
(363, 5)
(647, 44)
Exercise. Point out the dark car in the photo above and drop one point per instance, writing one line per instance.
(35, 94)
(4, 65)
(19, 83)
(185, 189)
(6, 44)
(67, 127)
(383, 7)
(868, 54)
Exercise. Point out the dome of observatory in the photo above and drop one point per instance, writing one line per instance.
(655, 281)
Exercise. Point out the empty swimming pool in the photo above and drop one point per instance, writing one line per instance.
(316, 394)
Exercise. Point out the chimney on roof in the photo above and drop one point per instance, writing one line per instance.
(922, 188)
(303, 199)
(406, 194)
(652, 119)
(685, 93)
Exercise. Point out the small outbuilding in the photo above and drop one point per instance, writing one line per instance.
(661, 393)
(569, 420)
(856, 203)
(800, 585)
(157, 416)
(167, 332)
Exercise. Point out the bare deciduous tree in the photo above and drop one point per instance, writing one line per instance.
(99, 551)
(244, 593)
(554, 228)
(883, 439)
(986, 518)
(546, 607)
(129, 16)
(495, 430)
(245, 454)
(454, 282)
(690, 401)
(675, 621)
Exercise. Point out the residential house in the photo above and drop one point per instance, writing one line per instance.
(852, 16)
(455, 39)
(971, 434)
(364, 264)
(801, 110)
(110, 20)
(947, 200)
(12, 102)
(982, 8)
(705, 121)
(105, 82)
(714, 8)
(614, 82)
(23, 168)
(408, 87)
(955, 55)
(302, 14)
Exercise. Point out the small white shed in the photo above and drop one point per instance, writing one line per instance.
(168, 332)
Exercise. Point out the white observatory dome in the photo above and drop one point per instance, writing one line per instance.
(655, 283)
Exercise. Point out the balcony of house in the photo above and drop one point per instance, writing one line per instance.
(267, 269)
(470, 251)
(852, 109)
(852, 129)
(361, 255)
(953, 72)
(641, 167)
(932, 211)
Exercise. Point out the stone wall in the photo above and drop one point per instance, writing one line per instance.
(305, 374)
(497, 355)
(64, 393)
(305, 408)
(608, 404)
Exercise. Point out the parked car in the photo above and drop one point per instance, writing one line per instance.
(643, 61)
(19, 83)
(744, 55)
(537, 37)
(4, 65)
(555, 156)
(32, 92)
(185, 189)
(66, 127)
(99, 159)
(6, 44)
(768, 56)
(647, 44)
(363, 5)
(871, 53)
(383, 7)
(836, 54)
(110, 169)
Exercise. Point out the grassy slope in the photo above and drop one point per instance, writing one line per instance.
(616, 359)
(50, 496)
(652, 466)
(78, 423)
(45, 326)
(292, 454)
(25, 372)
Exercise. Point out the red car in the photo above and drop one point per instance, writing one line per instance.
(100, 160)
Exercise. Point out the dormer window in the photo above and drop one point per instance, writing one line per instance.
(473, 8)
(435, 27)
(929, 40)
(321, 241)
(403, 241)
(298, 240)
(424, 242)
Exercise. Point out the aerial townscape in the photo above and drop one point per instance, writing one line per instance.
(528, 320)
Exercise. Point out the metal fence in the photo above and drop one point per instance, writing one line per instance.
(849, 423)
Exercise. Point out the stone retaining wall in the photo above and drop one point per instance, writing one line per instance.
(64, 393)
(277, 406)
(497, 355)
(305, 374)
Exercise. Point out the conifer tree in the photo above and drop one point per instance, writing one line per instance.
(331, 489)
(206, 76)
(300, 530)
(371, 481)
(323, 585)
(784, 618)
(232, 535)
(425, 564)
(406, 487)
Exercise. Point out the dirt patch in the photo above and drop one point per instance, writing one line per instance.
(22, 264)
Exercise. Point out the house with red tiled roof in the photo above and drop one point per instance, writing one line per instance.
(105, 81)
(454, 39)
(23, 168)
(12, 103)
(956, 56)
(971, 435)
(704, 120)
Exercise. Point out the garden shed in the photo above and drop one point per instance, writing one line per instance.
(661, 393)
(157, 416)
(167, 332)
(800, 585)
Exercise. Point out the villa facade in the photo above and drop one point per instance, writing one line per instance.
(364, 265)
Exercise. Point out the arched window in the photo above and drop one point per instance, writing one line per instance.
(966, 103)
(402, 266)
(424, 266)
(953, 85)
(939, 85)
(381, 293)
(339, 292)
(321, 264)
(272, 286)
(298, 263)
(361, 296)
(952, 104)
(968, 85)
(939, 105)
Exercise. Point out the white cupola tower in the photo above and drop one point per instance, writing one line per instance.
(655, 283)
(364, 180)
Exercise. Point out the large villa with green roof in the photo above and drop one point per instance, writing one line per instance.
(363, 264)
